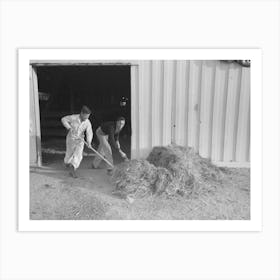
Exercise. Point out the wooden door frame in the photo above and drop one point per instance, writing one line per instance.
(35, 95)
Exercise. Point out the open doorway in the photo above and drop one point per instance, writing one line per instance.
(63, 90)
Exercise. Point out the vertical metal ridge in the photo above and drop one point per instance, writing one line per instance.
(167, 101)
(188, 109)
(140, 78)
(211, 112)
(199, 87)
(237, 109)
(224, 116)
(151, 105)
(137, 75)
(144, 87)
(187, 102)
(248, 120)
(135, 111)
(162, 102)
(156, 103)
(194, 99)
(218, 109)
(243, 118)
(173, 102)
(232, 102)
(206, 104)
(180, 103)
(248, 132)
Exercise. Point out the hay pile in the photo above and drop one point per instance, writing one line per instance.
(168, 171)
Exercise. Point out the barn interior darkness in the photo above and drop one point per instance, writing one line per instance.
(63, 90)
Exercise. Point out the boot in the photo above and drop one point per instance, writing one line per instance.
(73, 171)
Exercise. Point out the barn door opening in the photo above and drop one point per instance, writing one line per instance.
(63, 90)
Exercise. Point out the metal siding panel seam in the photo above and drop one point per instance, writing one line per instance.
(186, 118)
(224, 115)
(208, 71)
(151, 105)
(237, 108)
(173, 102)
(167, 101)
(180, 108)
(147, 111)
(194, 99)
(212, 111)
(249, 131)
(219, 100)
(144, 98)
(161, 123)
(233, 91)
(243, 137)
(199, 106)
(156, 101)
(134, 112)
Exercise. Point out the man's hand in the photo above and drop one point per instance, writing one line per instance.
(89, 145)
(123, 155)
(118, 145)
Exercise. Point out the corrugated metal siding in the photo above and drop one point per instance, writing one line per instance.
(201, 104)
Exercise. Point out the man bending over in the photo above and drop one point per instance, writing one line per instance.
(108, 136)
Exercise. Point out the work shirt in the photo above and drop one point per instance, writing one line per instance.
(77, 127)
(109, 128)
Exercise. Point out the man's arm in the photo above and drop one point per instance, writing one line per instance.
(116, 136)
(89, 133)
(114, 142)
(122, 154)
(118, 145)
(66, 121)
(112, 139)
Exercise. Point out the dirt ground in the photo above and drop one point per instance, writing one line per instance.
(54, 195)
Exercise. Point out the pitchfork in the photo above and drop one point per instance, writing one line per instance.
(102, 157)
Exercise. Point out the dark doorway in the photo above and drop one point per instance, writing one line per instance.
(63, 90)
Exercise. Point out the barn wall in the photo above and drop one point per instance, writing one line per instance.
(201, 104)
